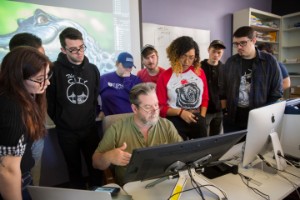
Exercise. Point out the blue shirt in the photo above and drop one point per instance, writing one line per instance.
(114, 92)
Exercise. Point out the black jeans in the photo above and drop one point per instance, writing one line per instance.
(192, 130)
(73, 143)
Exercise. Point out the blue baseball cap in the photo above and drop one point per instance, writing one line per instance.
(126, 59)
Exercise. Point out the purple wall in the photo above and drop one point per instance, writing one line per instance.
(213, 15)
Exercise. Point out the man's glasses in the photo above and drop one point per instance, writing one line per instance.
(41, 81)
(242, 43)
(74, 50)
(149, 109)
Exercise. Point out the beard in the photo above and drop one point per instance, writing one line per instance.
(149, 120)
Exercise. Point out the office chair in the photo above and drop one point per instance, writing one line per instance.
(106, 123)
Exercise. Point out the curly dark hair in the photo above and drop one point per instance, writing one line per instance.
(178, 48)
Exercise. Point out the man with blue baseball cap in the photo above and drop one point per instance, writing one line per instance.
(115, 86)
(126, 60)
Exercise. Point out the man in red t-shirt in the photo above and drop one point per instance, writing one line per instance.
(151, 71)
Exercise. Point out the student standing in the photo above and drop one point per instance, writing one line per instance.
(182, 89)
(72, 102)
(286, 81)
(24, 77)
(152, 71)
(115, 86)
(211, 67)
(36, 150)
(250, 79)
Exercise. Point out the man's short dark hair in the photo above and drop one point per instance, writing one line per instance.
(245, 31)
(147, 50)
(140, 89)
(25, 39)
(70, 33)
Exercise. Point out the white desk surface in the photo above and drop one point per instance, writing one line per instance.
(273, 185)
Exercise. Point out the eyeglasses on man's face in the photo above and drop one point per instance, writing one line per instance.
(75, 50)
(241, 43)
(41, 81)
(149, 108)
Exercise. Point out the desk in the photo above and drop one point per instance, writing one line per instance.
(273, 185)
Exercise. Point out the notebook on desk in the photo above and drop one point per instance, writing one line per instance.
(53, 193)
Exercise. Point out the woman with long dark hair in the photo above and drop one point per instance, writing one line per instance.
(24, 77)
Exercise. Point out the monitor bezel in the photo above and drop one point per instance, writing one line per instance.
(152, 162)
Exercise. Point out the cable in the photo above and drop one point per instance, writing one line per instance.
(295, 186)
(199, 186)
(255, 190)
(198, 189)
(289, 162)
(269, 165)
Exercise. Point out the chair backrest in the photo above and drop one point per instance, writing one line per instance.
(110, 119)
(106, 123)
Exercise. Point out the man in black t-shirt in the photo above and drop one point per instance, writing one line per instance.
(248, 80)
(211, 67)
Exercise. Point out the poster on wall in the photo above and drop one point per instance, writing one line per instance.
(161, 37)
(98, 29)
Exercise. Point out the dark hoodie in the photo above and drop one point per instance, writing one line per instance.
(212, 77)
(72, 94)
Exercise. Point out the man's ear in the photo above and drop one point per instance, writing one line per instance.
(254, 40)
(63, 50)
(134, 108)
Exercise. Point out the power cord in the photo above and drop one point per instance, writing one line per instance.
(295, 186)
(246, 180)
(197, 187)
(269, 165)
(279, 154)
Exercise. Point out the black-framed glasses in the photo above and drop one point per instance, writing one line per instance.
(41, 80)
(242, 43)
(149, 109)
(75, 50)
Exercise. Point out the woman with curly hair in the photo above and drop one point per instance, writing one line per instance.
(24, 77)
(182, 89)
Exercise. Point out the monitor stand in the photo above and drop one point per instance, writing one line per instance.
(280, 162)
(187, 171)
(191, 173)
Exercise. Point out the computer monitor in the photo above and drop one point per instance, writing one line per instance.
(264, 125)
(160, 161)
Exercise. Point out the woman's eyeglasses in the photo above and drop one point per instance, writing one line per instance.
(41, 80)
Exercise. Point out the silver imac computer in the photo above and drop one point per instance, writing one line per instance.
(264, 126)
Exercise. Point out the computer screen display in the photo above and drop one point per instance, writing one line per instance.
(153, 162)
(108, 27)
(261, 123)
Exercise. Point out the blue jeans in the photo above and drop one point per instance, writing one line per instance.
(37, 151)
(26, 180)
